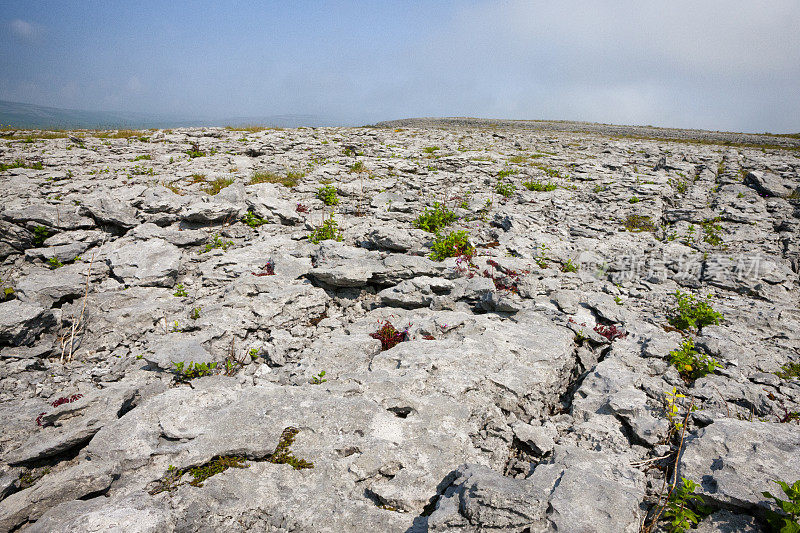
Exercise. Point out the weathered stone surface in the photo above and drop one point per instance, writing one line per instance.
(68, 484)
(22, 322)
(177, 349)
(154, 263)
(733, 461)
(47, 287)
(520, 387)
(108, 209)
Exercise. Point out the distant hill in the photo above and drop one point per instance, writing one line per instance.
(32, 116)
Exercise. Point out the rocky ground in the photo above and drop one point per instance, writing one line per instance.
(176, 354)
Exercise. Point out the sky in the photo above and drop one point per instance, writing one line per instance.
(714, 64)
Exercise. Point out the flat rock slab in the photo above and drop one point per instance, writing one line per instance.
(153, 263)
(22, 322)
(733, 461)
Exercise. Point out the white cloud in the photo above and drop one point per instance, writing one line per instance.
(25, 31)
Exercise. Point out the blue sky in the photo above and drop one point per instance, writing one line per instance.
(715, 64)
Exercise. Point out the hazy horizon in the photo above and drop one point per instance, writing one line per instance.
(729, 66)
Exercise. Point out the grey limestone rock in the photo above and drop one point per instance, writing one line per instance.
(151, 263)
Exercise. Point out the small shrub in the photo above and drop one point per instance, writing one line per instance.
(538, 186)
(358, 167)
(430, 149)
(193, 370)
(789, 371)
(506, 172)
(611, 333)
(60, 401)
(432, 220)
(7, 294)
(266, 270)
(789, 520)
(691, 312)
(634, 200)
(195, 151)
(319, 379)
(639, 223)
(453, 244)
(301, 208)
(252, 220)
(180, 291)
(505, 189)
(691, 365)
(329, 230)
(40, 234)
(328, 195)
(540, 257)
(551, 172)
(216, 242)
(712, 231)
(569, 266)
(214, 187)
(389, 336)
(139, 170)
(684, 509)
(54, 263)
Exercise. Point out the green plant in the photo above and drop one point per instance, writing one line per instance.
(54, 263)
(195, 151)
(789, 371)
(7, 294)
(639, 223)
(540, 257)
(180, 291)
(193, 370)
(454, 244)
(176, 327)
(599, 188)
(139, 170)
(505, 189)
(789, 522)
(506, 172)
(214, 187)
(213, 467)
(358, 166)
(430, 149)
(283, 454)
(432, 220)
(252, 220)
(712, 231)
(172, 478)
(40, 234)
(684, 508)
(270, 177)
(217, 242)
(538, 186)
(329, 230)
(569, 266)
(691, 312)
(691, 364)
(634, 200)
(254, 353)
(618, 300)
(318, 379)
(551, 172)
(195, 313)
(145, 157)
(328, 195)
